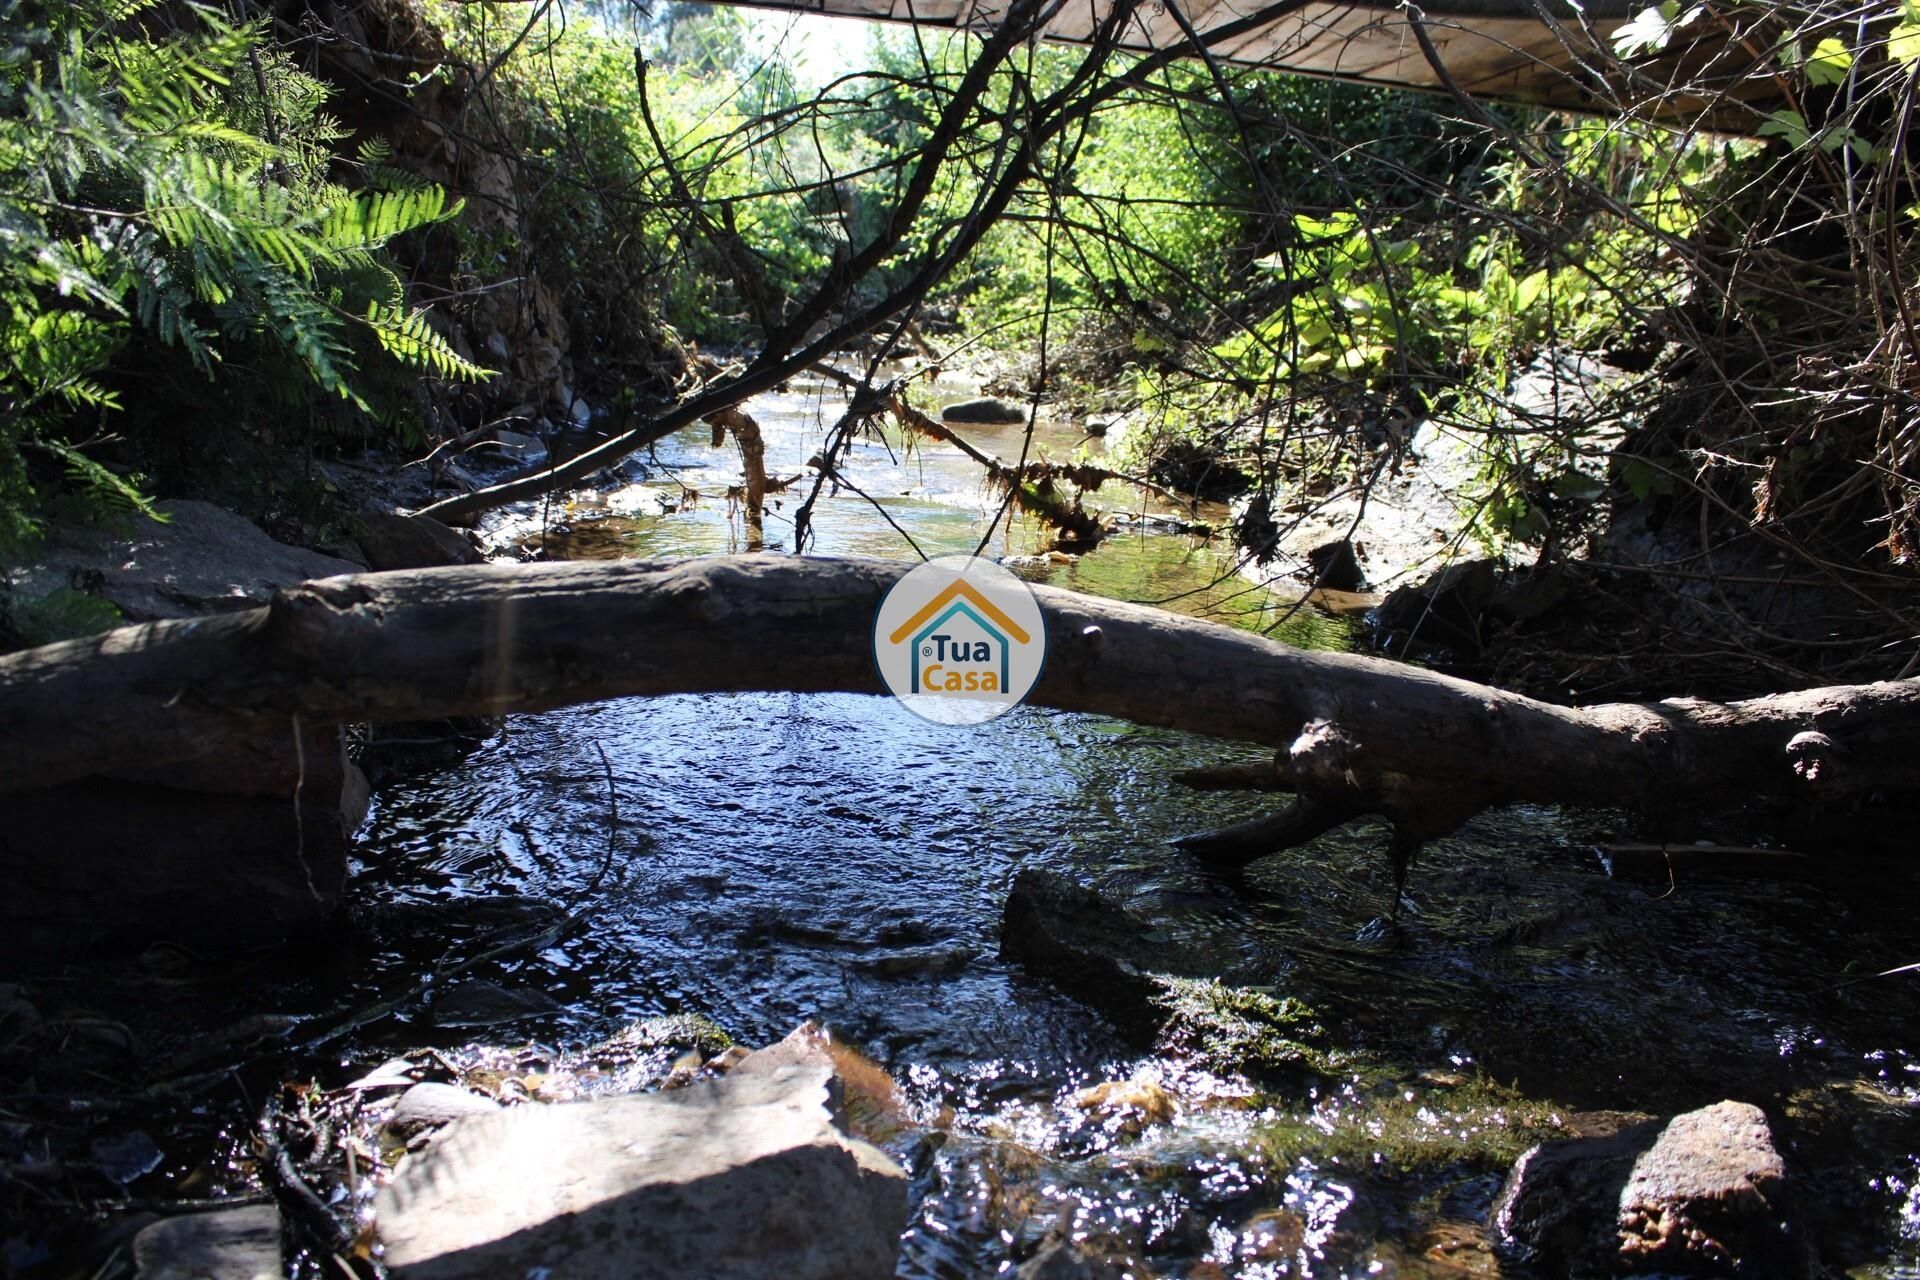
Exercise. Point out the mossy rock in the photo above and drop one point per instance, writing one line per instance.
(1243, 1030)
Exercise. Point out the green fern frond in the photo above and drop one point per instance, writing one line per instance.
(102, 485)
(408, 337)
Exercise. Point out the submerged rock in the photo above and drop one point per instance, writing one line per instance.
(1704, 1192)
(737, 1178)
(1090, 947)
(232, 1244)
(1062, 1260)
(1198, 996)
(479, 1003)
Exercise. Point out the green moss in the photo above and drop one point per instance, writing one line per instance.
(677, 1031)
(1243, 1030)
(1404, 1128)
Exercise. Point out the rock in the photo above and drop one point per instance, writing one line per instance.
(1089, 947)
(1560, 1204)
(917, 962)
(1710, 1193)
(735, 1178)
(1705, 1192)
(1449, 608)
(125, 1157)
(984, 411)
(522, 448)
(18, 1016)
(1274, 1235)
(392, 541)
(202, 561)
(435, 1104)
(1336, 566)
(861, 1097)
(1063, 1260)
(1530, 593)
(206, 844)
(1146, 1099)
(230, 1244)
(478, 1003)
(121, 864)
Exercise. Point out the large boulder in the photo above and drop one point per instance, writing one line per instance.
(1710, 1193)
(1703, 1193)
(737, 1178)
(200, 560)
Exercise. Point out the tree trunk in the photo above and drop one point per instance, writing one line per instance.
(1353, 735)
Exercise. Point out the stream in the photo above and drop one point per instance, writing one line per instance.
(778, 858)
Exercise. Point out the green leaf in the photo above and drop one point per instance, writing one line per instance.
(1829, 62)
(1903, 43)
(1790, 125)
(1529, 290)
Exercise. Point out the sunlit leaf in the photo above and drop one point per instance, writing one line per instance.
(1829, 62)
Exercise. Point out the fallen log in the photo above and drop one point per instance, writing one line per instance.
(1352, 735)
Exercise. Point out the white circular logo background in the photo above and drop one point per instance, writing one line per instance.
(959, 640)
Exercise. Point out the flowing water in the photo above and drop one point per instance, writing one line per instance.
(782, 858)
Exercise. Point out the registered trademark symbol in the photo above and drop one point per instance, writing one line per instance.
(926, 651)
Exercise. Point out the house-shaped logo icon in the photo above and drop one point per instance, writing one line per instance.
(959, 640)
(960, 599)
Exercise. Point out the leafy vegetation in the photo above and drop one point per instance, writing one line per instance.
(1282, 283)
(165, 207)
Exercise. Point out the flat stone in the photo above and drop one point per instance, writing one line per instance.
(520, 447)
(201, 561)
(229, 1244)
(431, 1103)
(730, 1179)
(984, 411)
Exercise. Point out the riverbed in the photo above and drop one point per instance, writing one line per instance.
(761, 860)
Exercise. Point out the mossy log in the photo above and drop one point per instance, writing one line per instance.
(1352, 735)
